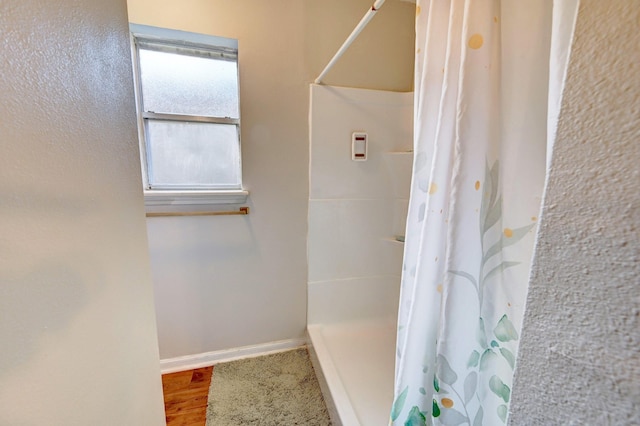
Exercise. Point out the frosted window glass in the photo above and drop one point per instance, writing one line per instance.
(193, 154)
(189, 85)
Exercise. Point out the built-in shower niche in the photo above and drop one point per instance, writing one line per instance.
(356, 210)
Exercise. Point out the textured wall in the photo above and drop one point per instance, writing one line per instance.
(578, 360)
(78, 343)
(224, 282)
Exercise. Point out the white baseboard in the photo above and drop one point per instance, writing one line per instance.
(189, 362)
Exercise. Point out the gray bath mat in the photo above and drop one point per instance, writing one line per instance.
(279, 389)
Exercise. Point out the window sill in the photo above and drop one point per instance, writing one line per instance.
(181, 201)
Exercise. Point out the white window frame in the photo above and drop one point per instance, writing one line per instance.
(178, 200)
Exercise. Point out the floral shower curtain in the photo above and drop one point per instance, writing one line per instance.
(480, 136)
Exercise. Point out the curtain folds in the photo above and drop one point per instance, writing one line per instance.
(482, 93)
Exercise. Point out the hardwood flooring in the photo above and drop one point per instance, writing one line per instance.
(185, 396)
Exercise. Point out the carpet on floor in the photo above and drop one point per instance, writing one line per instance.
(279, 389)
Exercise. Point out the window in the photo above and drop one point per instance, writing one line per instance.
(187, 94)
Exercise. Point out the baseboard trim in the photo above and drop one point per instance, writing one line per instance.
(189, 362)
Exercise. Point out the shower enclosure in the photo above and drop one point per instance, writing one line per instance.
(357, 213)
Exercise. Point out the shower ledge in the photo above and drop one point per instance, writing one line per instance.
(356, 363)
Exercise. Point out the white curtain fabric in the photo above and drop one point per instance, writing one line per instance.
(564, 21)
(480, 136)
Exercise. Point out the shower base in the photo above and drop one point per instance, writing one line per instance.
(355, 364)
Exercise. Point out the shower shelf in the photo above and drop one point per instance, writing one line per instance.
(395, 240)
(399, 153)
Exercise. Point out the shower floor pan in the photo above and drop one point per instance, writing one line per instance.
(355, 365)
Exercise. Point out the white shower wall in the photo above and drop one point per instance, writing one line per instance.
(357, 207)
(355, 211)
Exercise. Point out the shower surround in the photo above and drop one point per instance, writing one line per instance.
(357, 213)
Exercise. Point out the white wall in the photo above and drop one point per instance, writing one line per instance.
(578, 360)
(224, 282)
(356, 208)
(77, 332)
(380, 58)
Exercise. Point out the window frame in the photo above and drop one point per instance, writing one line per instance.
(181, 198)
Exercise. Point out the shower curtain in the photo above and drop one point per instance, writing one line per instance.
(480, 135)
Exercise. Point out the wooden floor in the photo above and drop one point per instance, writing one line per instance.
(185, 396)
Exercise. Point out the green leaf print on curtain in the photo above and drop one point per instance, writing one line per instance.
(453, 397)
(490, 349)
(479, 141)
